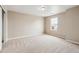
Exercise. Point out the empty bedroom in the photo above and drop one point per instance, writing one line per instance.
(39, 29)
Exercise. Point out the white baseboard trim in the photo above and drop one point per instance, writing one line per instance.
(22, 36)
(17, 37)
(75, 42)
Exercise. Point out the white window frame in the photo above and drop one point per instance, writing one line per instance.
(54, 23)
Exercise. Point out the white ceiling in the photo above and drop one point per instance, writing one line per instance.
(36, 9)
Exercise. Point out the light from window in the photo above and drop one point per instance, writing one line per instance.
(54, 23)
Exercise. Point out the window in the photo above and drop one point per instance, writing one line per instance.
(54, 23)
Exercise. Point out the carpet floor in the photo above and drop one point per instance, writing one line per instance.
(40, 44)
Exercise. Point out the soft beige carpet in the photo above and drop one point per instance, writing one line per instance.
(40, 44)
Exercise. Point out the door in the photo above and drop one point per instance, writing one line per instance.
(3, 26)
(0, 28)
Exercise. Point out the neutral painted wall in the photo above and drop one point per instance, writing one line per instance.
(21, 25)
(68, 26)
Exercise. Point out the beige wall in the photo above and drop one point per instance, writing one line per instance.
(20, 25)
(68, 26)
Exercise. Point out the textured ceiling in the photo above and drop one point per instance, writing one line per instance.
(36, 9)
